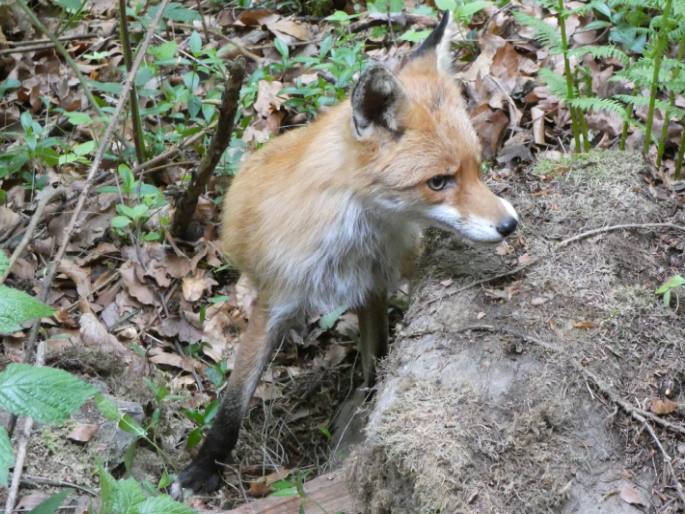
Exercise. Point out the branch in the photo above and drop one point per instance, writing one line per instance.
(52, 267)
(185, 207)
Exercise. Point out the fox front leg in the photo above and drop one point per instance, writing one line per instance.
(254, 352)
(373, 333)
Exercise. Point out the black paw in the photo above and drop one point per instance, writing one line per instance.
(200, 477)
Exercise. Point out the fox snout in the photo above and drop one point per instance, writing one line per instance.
(507, 225)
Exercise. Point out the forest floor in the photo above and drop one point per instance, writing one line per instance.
(153, 321)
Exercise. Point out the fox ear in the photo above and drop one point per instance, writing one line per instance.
(434, 50)
(378, 100)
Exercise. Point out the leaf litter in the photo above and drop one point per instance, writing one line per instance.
(171, 313)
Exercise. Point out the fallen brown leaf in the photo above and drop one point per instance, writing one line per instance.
(662, 407)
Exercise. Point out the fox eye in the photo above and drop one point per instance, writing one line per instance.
(438, 182)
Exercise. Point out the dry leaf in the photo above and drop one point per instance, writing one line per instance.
(268, 100)
(194, 286)
(171, 359)
(629, 494)
(538, 117)
(585, 325)
(78, 275)
(82, 433)
(134, 287)
(662, 407)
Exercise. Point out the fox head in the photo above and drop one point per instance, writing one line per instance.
(424, 152)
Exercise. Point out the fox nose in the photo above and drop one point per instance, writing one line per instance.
(507, 226)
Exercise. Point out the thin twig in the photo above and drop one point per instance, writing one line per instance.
(31, 42)
(46, 195)
(561, 244)
(52, 267)
(665, 456)
(33, 480)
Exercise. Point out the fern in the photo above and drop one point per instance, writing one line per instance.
(555, 83)
(590, 103)
(600, 52)
(545, 33)
(642, 101)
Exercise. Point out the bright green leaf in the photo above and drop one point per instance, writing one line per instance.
(46, 394)
(195, 43)
(120, 222)
(84, 148)
(671, 283)
(78, 118)
(51, 505)
(163, 505)
(282, 47)
(69, 5)
(415, 36)
(17, 307)
(6, 456)
(165, 51)
(328, 321)
(446, 5)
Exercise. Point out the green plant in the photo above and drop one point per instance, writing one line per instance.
(202, 417)
(673, 285)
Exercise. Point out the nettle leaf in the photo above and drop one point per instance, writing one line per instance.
(51, 505)
(17, 307)
(6, 456)
(163, 505)
(46, 394)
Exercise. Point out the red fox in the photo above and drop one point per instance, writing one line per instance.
(330, 214)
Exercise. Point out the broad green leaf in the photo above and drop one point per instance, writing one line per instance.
(195, 43)
(6, 456)
(130, 425)
(415, 36)
(69, 5)
(120, 222)
(339, 16)
(4, 262)
(135, 213)
(163, 505)
(9, 84)
(51, 505)
(328, 321)
(119, 496)
(78, 118)
(165, 51)
(17, 307)
(446, 5)
(84, 148)
(46, 394)
(107, 407)
(176, 12)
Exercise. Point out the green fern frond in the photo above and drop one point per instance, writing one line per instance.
(600, 52)
(466, 11)
(635, 4)
(662, 105)
(589, 103)
(555, 83)
(545, 33)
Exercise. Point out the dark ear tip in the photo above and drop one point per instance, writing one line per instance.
(434, 38)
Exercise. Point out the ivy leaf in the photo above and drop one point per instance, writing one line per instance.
(46, 394)
(163, 505)
(6, 456)
(17, 307)
(51, 505)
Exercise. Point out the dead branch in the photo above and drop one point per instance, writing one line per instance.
(185, 207)
(46, 195)
(34, 480)
(561, 244)
(52, 267)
